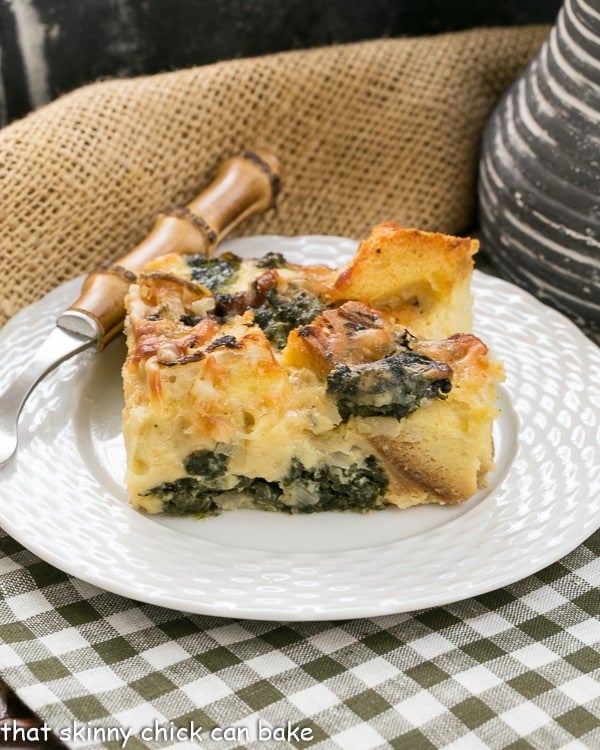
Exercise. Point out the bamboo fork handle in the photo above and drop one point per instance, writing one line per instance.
(245, 185)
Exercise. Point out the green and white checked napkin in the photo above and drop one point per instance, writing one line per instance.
(517, 668)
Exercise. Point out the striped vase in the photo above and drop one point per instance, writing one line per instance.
(539, 181)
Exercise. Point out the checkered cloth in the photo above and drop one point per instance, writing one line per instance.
(516, 668)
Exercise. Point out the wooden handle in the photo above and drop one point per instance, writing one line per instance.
(244, 185)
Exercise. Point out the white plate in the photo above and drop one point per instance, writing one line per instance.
(63, 495)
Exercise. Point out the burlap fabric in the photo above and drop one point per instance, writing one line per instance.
(367, 132)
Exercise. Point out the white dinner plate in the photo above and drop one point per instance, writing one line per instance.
(63, 495)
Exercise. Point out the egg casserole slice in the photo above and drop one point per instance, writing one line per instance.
(265, 384)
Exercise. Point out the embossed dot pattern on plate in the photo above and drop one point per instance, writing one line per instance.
(63, 495)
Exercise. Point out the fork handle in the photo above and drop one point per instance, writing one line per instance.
(244, 185)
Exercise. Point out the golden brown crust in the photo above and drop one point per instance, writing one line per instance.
(411, 276)
(411, 482)
(349, 334)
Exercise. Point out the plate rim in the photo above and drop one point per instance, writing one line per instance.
(309, 613)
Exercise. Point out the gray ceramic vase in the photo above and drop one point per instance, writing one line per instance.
(539, 180)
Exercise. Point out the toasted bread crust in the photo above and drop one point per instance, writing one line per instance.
(419, 279)
(444, 453)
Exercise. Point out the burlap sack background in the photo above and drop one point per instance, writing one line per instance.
(367, 132)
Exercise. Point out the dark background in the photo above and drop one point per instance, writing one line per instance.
(48, 47)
